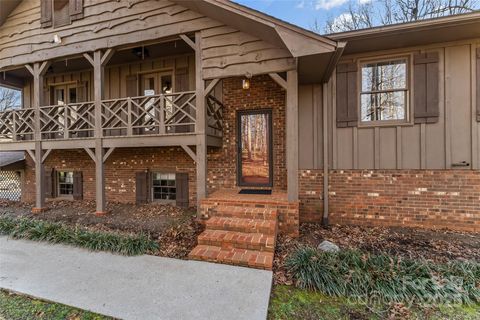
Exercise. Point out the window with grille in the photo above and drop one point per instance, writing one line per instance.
(65, 183)
(163, 186)
(384, 91)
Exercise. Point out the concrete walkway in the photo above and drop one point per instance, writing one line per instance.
(142, 287)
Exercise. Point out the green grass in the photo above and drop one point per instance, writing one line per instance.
(38, 230)
(385, 279)
(18, 307)
(288, 302)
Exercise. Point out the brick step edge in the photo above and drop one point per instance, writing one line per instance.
(240, 240)
(242, 212)
(268, 227)
(233, 256)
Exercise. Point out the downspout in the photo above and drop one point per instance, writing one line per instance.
(326, 78)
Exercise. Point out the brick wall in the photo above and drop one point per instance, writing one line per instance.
(310, 194)
(120, 169)
(264, 93)
(414, 198)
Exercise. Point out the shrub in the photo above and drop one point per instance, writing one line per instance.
(53, 232)
(383, 278)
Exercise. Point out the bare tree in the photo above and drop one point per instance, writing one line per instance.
(9, 98)
(361, 15)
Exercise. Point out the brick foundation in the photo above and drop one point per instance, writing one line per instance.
(310, 194)
(412, 198)
(120, 169)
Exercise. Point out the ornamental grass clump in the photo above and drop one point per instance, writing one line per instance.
(53, 232)
(383, 278)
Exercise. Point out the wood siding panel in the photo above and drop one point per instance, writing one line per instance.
(226, 51)
(458, 99)
(105, 24)
(455, 137)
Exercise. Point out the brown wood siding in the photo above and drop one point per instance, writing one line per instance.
(229, 52)
(454, 138)
(104, 24)
(225, 51)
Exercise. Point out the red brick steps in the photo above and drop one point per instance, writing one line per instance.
(239, 236)
(241, 240)
(239, 257)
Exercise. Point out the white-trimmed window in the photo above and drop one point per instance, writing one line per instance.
(384, 91)
(164, 187)
(65, 183)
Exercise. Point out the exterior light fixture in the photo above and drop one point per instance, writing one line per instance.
(57, 39)
(246, 81)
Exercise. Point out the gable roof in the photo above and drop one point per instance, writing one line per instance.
(424, 32)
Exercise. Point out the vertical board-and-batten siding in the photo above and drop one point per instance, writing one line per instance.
(454, 138)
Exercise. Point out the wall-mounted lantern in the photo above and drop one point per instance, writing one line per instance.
(246, 81)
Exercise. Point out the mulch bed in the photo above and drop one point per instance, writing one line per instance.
(175, 229)
(436, 245)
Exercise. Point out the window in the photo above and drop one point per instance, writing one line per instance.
(65, 183)
(10, 99)
(384, 91)
(164, 186)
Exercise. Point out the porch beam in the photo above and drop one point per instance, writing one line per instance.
(292, 135)
(189, 41)
(108, 153)
(211, 86)
(190, 152)
(91, 154)
(99, 59)
(201, 137)
(45, 155)
(279, 80)
(38, 70)
(31, 153)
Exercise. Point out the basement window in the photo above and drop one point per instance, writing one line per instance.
(65, 183)
(164, 187)
(384, 91)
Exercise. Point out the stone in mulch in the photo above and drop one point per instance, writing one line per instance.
(436, 245)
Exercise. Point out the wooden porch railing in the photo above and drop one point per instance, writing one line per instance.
(161, 114)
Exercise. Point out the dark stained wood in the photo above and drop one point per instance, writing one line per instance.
(77, 185)
(141, 187)
(181, 180)
(49, 176)
(426, 90)
(46, 13)
(347, 99)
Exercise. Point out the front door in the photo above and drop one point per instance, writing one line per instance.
(255, 148)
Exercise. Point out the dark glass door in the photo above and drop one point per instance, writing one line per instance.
(255, 148)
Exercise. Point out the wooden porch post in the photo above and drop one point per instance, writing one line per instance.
(38, 70)
(99, 60)
(201, 137)
(292, 135)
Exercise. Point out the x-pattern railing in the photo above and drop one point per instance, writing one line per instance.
(214, 115)
(145, 115)
(17, 124)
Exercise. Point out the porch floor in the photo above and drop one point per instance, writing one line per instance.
(277, 196)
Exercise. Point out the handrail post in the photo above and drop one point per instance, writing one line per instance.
(66, 114)
(162, 114)
(14, 125)
(129, 117)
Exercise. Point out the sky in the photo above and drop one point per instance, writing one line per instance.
(301, 12)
